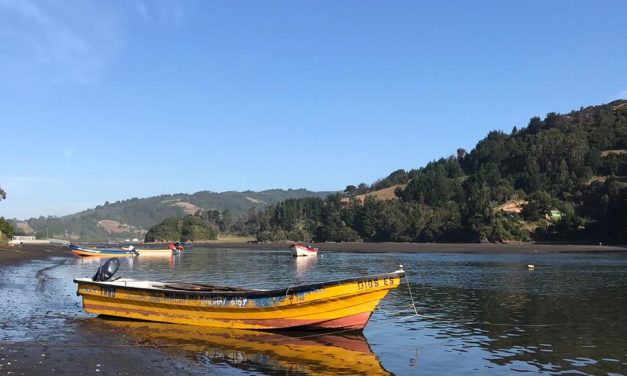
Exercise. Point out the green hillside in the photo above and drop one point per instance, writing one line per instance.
(560, 178)
(133, 217)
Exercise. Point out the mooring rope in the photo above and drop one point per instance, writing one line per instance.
(412, 306)
(411, 296)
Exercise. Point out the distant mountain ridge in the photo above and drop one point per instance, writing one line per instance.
(131, 218)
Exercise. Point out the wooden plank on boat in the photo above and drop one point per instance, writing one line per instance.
(201, 287)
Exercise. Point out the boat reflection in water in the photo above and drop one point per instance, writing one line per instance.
(305, 266)
(99, 260)
(157, 259)
(310, 352)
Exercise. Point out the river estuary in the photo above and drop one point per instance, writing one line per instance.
(485, 314)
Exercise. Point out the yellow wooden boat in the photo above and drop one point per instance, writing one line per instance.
(343, 304)
(291, 352)
(81, 251)
(177, 248)
(153, 251)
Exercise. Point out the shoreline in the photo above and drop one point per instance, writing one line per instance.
(389, 247)
(71, 350)
(26, 252)
(11, 255)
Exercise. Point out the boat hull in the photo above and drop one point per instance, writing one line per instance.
(299, 250)
(157, 251)
(105, 252)
(345, 304)
(154, 252)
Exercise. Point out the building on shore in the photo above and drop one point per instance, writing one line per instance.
(19, 240)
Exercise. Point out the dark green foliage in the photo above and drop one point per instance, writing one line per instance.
(225, 222)
(199, 227)
(298, 219)
(604, 205)
(194, 228)
(549, 164)
(6, 229)
(395, 178)
(248, 224)
(540, 203)
(436, 184)
(350, 190)
(168, 230)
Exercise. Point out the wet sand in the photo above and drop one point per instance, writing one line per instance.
(102, 351)
(25, 253)
(70, 349)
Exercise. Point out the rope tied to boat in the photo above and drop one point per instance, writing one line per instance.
(413, 308)
(411, 295)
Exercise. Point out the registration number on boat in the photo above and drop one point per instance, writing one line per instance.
(374, 283)
(109, 292)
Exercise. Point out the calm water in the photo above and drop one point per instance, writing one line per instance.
(477, 314)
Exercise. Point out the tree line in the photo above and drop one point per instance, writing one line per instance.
(201, 226)
(6, 229)
(574, 165)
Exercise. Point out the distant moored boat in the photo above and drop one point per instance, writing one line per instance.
(100, 252)
(302, 250)
(155, 251)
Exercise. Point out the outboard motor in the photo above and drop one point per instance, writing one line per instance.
(106, 270)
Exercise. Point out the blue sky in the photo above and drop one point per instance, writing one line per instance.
(109, 100)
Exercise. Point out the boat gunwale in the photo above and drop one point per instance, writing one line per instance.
(99, 251)
(105, 252)
(245, 292)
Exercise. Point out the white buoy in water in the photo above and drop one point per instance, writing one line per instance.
(531, 266)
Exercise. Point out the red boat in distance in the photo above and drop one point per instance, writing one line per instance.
(302, 250)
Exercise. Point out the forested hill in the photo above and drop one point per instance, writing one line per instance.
(132, 218)
(559, 178)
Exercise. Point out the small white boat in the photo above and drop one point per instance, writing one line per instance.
(302, 250)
